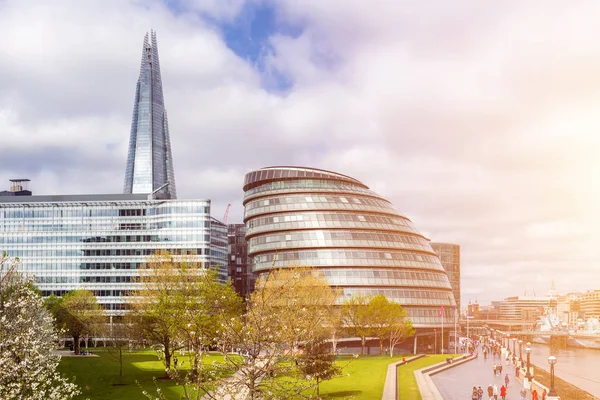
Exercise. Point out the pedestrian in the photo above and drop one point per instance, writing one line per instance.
(500, 369)
(544, 394)
(506, 380)
(523, 394)
(494, 369)
(490, 392)
(479, 393)
(534, 395)
(503, 392)
(474, 394)
(496, 392)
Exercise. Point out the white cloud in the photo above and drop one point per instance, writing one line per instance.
(477, 120)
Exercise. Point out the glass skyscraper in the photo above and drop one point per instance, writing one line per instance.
(149, 160)
(308, 217)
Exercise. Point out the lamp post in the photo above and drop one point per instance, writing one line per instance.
(514, 340)
(552, 361)
(528, 375)
(520, 349)
(434, 341)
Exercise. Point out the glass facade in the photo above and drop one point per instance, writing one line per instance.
(449, 255)
(239, 273)
(218, 248)
(149, 160)
(307, 217)
(97, 242)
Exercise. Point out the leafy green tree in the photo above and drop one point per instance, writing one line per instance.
(181, 304)
(356, 318)
(80, 315)
(317, 362)
(387, 321)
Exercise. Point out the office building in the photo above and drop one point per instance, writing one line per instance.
(98, 242)
(308, 217)
(149, 161)
(449, 255)
(590, 304)
(239, 273)
(523, 308)
(218, 248)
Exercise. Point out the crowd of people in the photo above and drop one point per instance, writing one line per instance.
(492, 391)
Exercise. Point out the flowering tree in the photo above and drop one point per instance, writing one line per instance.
(27, 338)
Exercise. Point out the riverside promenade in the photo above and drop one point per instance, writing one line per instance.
(457, 383)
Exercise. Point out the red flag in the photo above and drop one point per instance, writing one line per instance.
(441, 311)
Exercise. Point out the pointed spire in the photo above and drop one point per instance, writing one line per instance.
(149, 160)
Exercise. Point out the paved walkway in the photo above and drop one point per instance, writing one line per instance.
(457, 383)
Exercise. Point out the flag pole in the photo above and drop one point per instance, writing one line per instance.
(455, 335)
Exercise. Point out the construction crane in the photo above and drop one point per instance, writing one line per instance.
(226, 214)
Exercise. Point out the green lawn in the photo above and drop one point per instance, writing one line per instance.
(363, 379)
(97, 376)
(407, 384)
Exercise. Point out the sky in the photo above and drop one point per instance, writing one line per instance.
(478, 120)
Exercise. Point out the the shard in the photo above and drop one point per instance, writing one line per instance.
(149, 160)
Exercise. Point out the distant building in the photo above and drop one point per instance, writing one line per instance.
(590, 304)
(361, 244)
(239, 272)
(568, 308)
(524, 308)
(218, 248)
(449, 255)
(149, 160)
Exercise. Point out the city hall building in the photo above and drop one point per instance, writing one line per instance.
(362, 245)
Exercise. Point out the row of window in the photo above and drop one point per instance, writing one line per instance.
(318, 199)
(76, 210)
(384, 273)
(346, 237)
(307, 184)
(83, 226)
(326, 217)
(371, 255)
(173, 236)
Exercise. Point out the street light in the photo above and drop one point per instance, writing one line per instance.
(552, 361)
(514, 340)
(528, 351)
(520, 350)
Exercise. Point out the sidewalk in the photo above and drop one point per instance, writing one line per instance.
(457, 383)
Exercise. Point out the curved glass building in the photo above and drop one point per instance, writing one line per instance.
(334, 223)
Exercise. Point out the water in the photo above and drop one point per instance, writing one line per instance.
(576, 366)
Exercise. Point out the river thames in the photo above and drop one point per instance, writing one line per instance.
(576, 366)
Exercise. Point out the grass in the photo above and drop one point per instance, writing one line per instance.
(97, 376)
(407, 384)
(363, 379)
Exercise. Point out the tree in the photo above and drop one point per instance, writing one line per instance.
(356, 318)
(28, 368)
(207, 304)
(181, 303)
(287, 307)
(387, 321)
(118, 336)
(80, 315)
(401, 329)
(318, 362)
